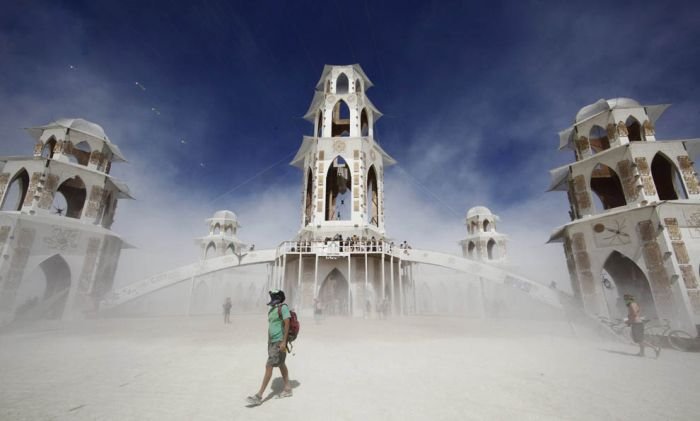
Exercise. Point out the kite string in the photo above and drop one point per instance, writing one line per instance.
(421, 186)
(253, 177)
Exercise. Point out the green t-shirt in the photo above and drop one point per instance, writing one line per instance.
(276, 325)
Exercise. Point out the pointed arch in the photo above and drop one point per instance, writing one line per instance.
(334, 294)
(82, 152)
(319, 124)
(342, 84)
(634, 129)
(308, 197)
(487, 225)
(627, 278)
(491, 249)
(364, 123)
(358, 85)
(70, 197)
(340, 126)
(230, 250)
(217, 229)
(667, 178)
(43, 293)
(372, 196)
(606, 185)
(48, 148)
(210, 250)
(338, 190)
(470, 249)
(598, 138)
(16, 191)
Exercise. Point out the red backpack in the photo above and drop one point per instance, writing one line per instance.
(293, 323)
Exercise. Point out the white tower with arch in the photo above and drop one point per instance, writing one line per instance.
(222, 238)
(342, 163)
(635, 213)
(483, 242)
(57, 208)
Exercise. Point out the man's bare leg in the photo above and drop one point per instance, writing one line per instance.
(285, 377)
(266, 380)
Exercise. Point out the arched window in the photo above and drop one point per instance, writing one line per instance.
(70, 198)
(358, 86)
(230, 250)
(364, 123)
(229, 230)
(634, 129)
(81, 152)
(474, 227)
(342, 84)
(491, 249)
(598, 138)
(47, 150)
(308, 199)
(607, 186)
(668, 181)
(16, 191)
(210, 251)
(217, 229)
(471, 248)
(487, 225)
(319, 125)
(341, 119)
(338, 191)
(372, 197)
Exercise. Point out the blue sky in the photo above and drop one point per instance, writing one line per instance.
(473, 93)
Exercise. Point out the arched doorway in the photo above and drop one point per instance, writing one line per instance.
(43, 293)
(491, 249)
(334, 295)
(625, 277)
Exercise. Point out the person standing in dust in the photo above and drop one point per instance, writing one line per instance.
(634, 320)
(278, 318)
(227, 310)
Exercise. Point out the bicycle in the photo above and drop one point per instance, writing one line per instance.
(618, 327)
(678, 339)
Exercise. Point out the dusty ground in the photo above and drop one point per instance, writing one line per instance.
(415, 368)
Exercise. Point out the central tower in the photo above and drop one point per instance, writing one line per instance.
(342, 163)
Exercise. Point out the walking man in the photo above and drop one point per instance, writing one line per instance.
(227, 310)
(278, 317)
(634, 320)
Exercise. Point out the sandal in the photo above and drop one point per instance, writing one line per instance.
(254, 400)
(285, 394)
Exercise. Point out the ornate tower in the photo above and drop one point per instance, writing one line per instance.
(222, 238)
(483, 242)
(59, 255)
(635, 214)
(343, 165)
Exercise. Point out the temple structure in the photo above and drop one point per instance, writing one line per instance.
(59, 255)
(341, 257)
(483, 242)
(635, 214)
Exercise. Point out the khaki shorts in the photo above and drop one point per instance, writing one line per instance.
(275, 357)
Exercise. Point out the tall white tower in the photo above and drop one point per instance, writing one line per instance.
(342, 163)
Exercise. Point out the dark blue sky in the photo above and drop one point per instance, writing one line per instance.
(473, 93)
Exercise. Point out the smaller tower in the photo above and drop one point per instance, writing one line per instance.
(222, 239)
(483, 242)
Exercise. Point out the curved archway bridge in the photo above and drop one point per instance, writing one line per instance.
(330, 250)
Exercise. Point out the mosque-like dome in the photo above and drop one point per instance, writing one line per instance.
(480, 211)
(605, 105)
(225, 214)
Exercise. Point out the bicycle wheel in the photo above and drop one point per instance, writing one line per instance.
(680, 340)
